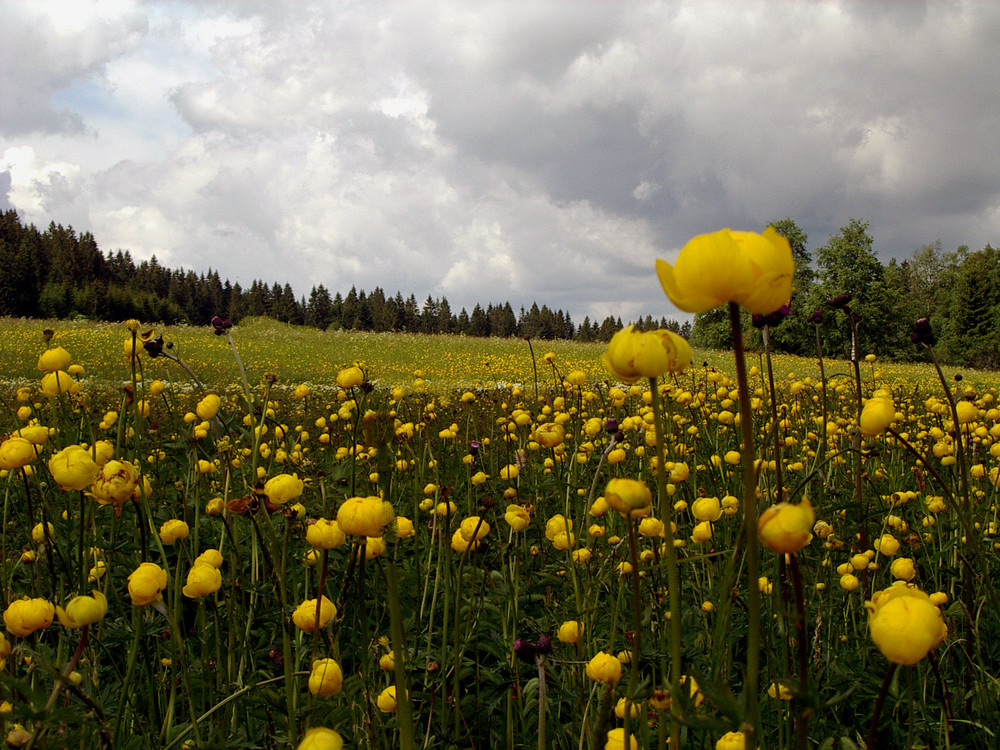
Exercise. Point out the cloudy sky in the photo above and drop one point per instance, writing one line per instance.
(483, 151)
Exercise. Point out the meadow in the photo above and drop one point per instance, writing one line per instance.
(322, 539)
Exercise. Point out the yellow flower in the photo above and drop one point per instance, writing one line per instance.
(209, 557)
(386, 700)
(350, 377)
(321, 738)
(550, 434)
(24, 616)
(616, 737)
(605, 667)
(877, 414)
(145, 584)
(474, 528)
(752, 270)
(325, 678)
(16, 452)
(517, 517)
(363, 516)
(570, 631)
(173, 530)
(627, 495)
(42, 533)
(54, 383)
(887, 545)
(35, 434)
(304, 615)
(73, 468)
(404, 527)
(115, 483)
(208, 407)
(707, 509)
(215, 506)
(558, 524)
(903, 569)
(785, 527)
(632, 354)
(53, 359)
(732, 741)
(904, 624)
(282, 488)
(325, 534)
(83, 610)
(702, 532)
(203, 579)
(460, 544)
(967, 412)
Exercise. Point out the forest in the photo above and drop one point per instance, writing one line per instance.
(58, 273)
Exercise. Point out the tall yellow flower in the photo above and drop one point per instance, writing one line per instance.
(753, 270)
(632, 354)
(904, 624)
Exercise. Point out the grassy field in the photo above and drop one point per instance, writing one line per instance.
(297, 354)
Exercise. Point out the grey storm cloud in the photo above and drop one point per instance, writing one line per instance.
(497, 151)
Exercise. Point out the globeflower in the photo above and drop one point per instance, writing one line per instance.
(83, 610)
(752, 270)
(325, 678)
(605, 667)
(304, 615)
(517, 517)
(616, 737)
(203, 579)
(632, 354)
(24, 616)
(282, 488)
(570, 631)
(53, 359)
(16, 452)
(550, 434)
(54, 383)
(325, 534)
(73, 468)
(321, 738)
(350, 377)
(904, 624)
(877, 414)
(173, 530)
(732, 741)
(115, 483)
(386, 700)
(364, 516)
(630, 497)
(785, 527)
(145, 584)
(208, 407)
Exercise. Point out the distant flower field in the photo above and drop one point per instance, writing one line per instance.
(270, 537)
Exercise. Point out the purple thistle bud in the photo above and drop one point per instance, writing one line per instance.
(923, 333)
(221, 325)
(525, 651)
(816, 316)
(473, 447)
(543, 645)
(154, 347)
(611, 425)
(840, 302)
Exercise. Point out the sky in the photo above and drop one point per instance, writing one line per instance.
(496, 151)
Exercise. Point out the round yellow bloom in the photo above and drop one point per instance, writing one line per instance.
(605, 667)
(627, 495)
(350, 377)
(363, 516)
(54, 359)
(702, 532)
(570, 631)
(558, 524)
(752, 270)
(41, 534)
(73, 468)
(215, 506)
(632, 354)
(887, 545)
(732, 741)
(404, 527)
(115, 483)
(54, 383)
(550, 434)
(849, 582)
(304, 615)
(474, 528)
(616, 737)
(145, 584)
(321, 738)
(651, 527)
(508, 473)
(785, 527)
(904, 624)
(83, 610)
(173, 530)
(877, 414)
(209, 557)
(325, 678)
(903, 569)
(325, 534)
(517, 517)
(967, 412)
(282, 488)
(386, 700)
(24, 616)
(35, 434)
(374, 546)
(203, 579)
(16, 452)
(208, 407)
(707, 509)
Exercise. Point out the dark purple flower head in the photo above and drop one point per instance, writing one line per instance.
(816, 316)
(771, 319)
(473, 447)
(525, 651)
(840, 302)
(923, 333)
(611, 425)
(221, 325)
(154, 347)
(543, 645)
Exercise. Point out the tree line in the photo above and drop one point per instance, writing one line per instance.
(958, 291)
(58, 273)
